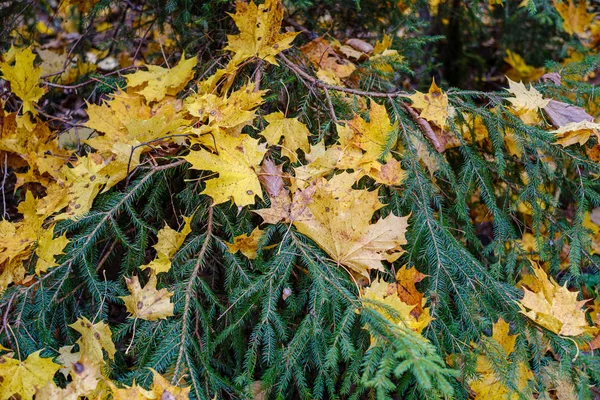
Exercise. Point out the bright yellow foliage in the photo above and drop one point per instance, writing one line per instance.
(158, 82)
(576, 132)
(24, 78)
(259, 31)
(295, 134)
(169, 241)
(47, 248)
(24, 378)
(237, 163)
(489, 385)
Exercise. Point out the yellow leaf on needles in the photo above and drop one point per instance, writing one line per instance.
(169, 241)
(147, 303)
(157, 82)
(386, 293)
(259, 31)
(247, 244)
(24, 378)
(554, 307)
(295, 134)
(237, 163)
(47, 248)
(576, 132)
(134, 392)
(520, 69)
(94, 338)
(433, 105)
(24, 78)
(489, 385)
(370, 136)
(526, 103)
(338, 219)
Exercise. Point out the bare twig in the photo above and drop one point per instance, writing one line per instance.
(330, 104)
(319, 83)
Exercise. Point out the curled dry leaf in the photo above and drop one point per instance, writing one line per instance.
(561, 114)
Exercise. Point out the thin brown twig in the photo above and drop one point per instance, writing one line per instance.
(189, 292)
(330, 104)
(323, 85)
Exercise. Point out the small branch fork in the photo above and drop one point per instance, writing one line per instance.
(189, 292)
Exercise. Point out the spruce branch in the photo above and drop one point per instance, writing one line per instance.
(189, 293)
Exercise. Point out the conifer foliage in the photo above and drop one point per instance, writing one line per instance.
(291, 219)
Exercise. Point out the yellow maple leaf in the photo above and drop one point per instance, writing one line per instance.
(24, 78)
(247, 244)
(237, 163)
(386, 293)
(163, 389)
(520, 69)
(338, 220)
(371, 136)
(157, 82)
(24, 378)
(433, 105)
(576, 19)
(295, 134)
(576, 132)
(489, 385)
(259, 31)
(94, 338)
(169, 241)
(147, 303)
(47, 248)
(526, 103)
(554, 307)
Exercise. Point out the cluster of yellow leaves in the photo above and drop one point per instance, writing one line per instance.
(86, 368)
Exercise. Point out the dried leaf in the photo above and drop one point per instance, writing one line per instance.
(554, 307)
(147, 303)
